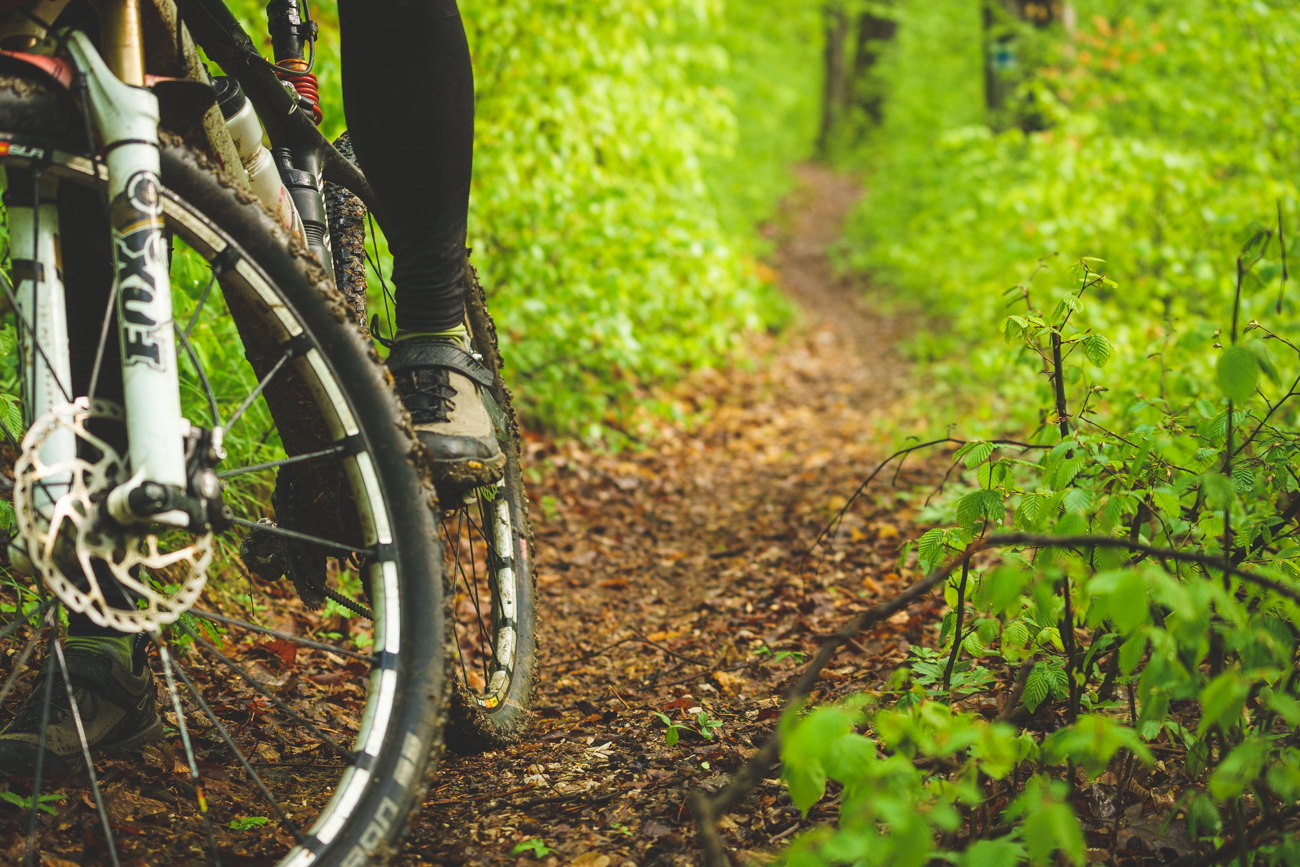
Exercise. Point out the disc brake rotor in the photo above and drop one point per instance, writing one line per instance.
(130, 580)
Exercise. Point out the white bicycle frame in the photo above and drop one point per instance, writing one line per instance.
(126, 118)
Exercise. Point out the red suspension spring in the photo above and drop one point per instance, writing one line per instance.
(305, 84)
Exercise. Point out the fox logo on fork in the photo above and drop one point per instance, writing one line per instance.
(142, 269)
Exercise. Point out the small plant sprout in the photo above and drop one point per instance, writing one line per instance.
(778, 656)
(674, 733)
(533, 845)
(707, 725)
(247, 823)
(25, 802)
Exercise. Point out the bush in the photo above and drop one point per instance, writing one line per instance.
(614, 194)
(1134, 560)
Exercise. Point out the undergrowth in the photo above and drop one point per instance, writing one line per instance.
(1124, 555)
(624, 153)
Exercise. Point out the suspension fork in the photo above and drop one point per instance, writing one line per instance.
(126, 117)
(47, 380)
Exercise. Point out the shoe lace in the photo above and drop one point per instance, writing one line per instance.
(28, 717)
(428, 395)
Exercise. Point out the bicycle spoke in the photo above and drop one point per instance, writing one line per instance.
(471, 585)
(40, 756)
(266, 380)
(18, 666)
(484, 638)
(492, 548)
(85, 754)
(184, 338)
(181, 726)
(453, 546)
(104, 331)
(257, 468)
(266, 693)
(13, 625)
(203, 299)
(262, 630)
(8, 289)
(285, 821)
(301, 537)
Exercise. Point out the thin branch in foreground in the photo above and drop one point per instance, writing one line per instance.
(707, 810)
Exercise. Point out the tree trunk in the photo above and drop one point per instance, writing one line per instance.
(873, 32)
(836, 92)
(999, 50)
(992, 92)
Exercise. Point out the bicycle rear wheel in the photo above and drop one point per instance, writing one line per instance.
(489, 574)
(292, 734)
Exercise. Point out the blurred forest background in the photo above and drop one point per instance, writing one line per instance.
(627, 150)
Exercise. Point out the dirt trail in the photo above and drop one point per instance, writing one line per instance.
(671, 584)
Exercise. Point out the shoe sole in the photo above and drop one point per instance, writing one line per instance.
(139, 739)
(74, 762)
(453, 478)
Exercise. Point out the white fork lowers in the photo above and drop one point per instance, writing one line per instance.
(64, 471)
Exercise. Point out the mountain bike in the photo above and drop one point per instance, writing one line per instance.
(204, 448)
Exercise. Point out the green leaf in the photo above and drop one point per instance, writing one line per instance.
(1028, 514)
(807, 785)
(1016, 635)
(1130, 653)
(970, 508)
(246, 823)
(978, 454)
(535, 846)
(929, 549)
(1264, 358)
(1203, 819)
(1128, 603)
(1037, 687)
(1238, 373)
(1218, 489)
(1052, 828)
(993, 853)
(1238, 771)
(1077, 500)
(1222, 701)
(1096, 349)
(852, 758)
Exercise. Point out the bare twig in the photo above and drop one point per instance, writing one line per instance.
(1013, 697)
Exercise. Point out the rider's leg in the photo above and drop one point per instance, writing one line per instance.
(408, 86)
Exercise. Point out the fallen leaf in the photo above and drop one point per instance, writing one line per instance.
(590, 859)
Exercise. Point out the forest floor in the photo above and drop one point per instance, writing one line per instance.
(673, 582)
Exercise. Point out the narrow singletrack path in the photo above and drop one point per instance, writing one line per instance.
(672, 582)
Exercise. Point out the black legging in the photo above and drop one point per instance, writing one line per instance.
(408, 88)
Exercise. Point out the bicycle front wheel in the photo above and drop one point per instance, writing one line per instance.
(298, 713)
